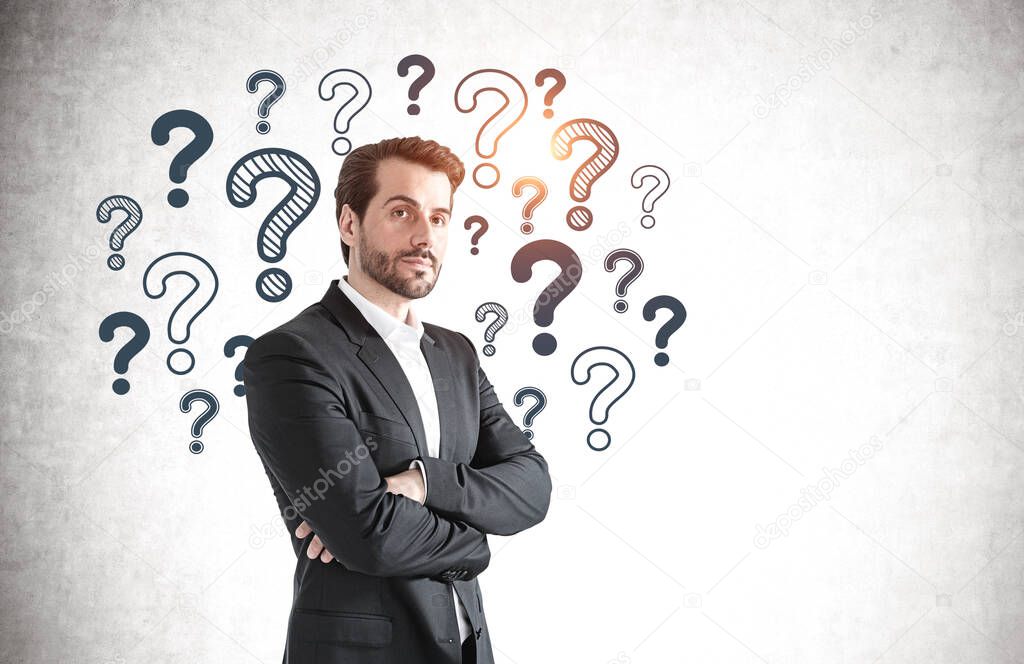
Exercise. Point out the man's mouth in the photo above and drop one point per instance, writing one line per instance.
(419, 262)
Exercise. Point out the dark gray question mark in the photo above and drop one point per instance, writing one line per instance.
(130, 207)
(138, 341)
(252, 84)
(233, 344)
(161, 133)
(424, 63)
(212, 408)
(674, 323)
(636, 269)
(534, 410)
(555, 292)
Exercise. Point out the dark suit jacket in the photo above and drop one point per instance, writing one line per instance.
(331, 413)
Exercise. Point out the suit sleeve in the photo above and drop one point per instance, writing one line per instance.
(300, 425)
(506, 488)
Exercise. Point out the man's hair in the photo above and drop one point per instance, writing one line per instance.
(357, 181)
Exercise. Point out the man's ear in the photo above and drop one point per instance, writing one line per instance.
(345, 223)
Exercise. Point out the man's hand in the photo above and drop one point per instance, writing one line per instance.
(408, 483)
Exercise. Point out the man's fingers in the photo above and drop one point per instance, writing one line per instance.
(303, 530)
(326, 556)
(315, 547)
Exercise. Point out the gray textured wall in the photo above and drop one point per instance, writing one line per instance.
(827, 471)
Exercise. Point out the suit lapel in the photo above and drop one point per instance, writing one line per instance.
(441, 375)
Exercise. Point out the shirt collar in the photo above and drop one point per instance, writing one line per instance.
(387, 326)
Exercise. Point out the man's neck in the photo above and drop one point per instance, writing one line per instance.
(391, 302)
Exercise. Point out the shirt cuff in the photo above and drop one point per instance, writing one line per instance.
(423, 472)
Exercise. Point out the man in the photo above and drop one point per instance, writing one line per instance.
(387, 448)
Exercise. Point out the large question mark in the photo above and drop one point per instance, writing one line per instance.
(233, 344)
(579, 217)
(424, 63)
(252, 84)
(362, 92)
(499, 123)
(470, 222)
(274, 284)
(571, 271)
(540, 193)
(619, 363)
(674, 322)
(121, 232)
(500, 318)
(197, 147)
(661, 184)
(534, 410)
(212, 408)
(542, 77)
(204, 289)
(636, 268)
(140, 337)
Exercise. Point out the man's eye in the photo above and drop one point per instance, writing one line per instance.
(442, 220)
(400, 210)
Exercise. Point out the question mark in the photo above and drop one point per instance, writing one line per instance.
(558, 77)
(197, 147)
(233, 344)
(362, 92)
(476, 219)
(195, 302)
(614, 359)
(212, 408)
(274, 284)
(636, 268)
(571, 271)
(140, 338)
(541, 192)
(579, 218)
(674, 323)
(252, 84)
(130, 207)
(533, 411)
(661, 184)
(421, 81)
(512, 91)
(500, 318)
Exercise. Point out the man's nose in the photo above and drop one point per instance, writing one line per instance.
(423, 232)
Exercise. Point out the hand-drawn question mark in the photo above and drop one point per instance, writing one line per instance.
(140, 337)
(534, 410)
(540, 193)
(362, 92)
(571, 271)
(121, 232)
(674, 322)
(661, 184)
(499, 123)
(542, 77)
(478, 220)
(233, 344)
(252, 84)
(274, 284)
(204, 289)
(619, 363)
(579, 217)
(424, 63)
(190, 154)
(212, 408)
(636, 268)
(500, 318)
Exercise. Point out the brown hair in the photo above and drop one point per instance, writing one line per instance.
(357, 181)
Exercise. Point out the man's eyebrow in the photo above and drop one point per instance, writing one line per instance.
(413, 202)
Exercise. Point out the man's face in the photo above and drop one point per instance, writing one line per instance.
(402, 238)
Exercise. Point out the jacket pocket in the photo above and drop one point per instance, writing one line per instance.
(341, 628)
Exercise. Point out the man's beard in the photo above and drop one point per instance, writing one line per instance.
(383, 269)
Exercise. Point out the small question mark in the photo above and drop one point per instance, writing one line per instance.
(130, 207)
(212, 408)
(571, 271)
(252, 84)
(558, 77)
(500, 318)
(420, 82)
(195, 302)
(579, 217)
(674, 323)
(636, 268)
(619, 363)
(540, 193)
(233, 344)
(511, 111)
(661, 184)
(274, 284)
(140, 338)
(476, 219)
(533, 411)
(362, 92)
(197, 147)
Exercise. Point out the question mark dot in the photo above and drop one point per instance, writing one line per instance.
(262, 126)
(647, 221)
(621, 306)
(474, 251)
(121, 386)
(548, 113)
(579, 218)
(597, 434)
(413, 109)
(341, 146)
(544, 344)
(239, 390)
(488, 350)
(195, 447)
(274, 284)
(528, 434)
(115, 262)
(178, 198)
(526, 228)
(180, 367)
(486, 176)
(661, 359)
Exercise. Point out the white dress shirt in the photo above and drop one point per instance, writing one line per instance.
(403, 338)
